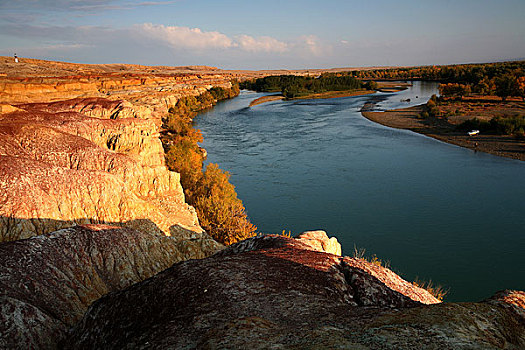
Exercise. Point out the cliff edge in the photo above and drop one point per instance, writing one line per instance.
(85, 148)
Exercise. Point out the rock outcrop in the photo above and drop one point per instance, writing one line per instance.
(319, 240)
(48, 282)
(58, 167)
(85, 148)
(274, 291)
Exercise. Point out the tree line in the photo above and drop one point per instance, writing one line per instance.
(221, 213)
(503, 79)
(292, 86)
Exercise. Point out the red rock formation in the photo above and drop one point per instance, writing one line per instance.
(47, 282)
(274, 291)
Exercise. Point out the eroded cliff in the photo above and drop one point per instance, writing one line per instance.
(86, 149)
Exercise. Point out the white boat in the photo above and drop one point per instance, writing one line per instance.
(473, 132)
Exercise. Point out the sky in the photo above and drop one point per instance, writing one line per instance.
(268, 34)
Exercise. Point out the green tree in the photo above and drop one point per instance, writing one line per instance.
(507, 85)
(371, 85)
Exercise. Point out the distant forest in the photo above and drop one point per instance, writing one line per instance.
(292, 86)
(502, 79)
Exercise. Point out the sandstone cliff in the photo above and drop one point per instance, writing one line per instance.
(64, 167)
(47, 282)
(277, 292)
(85, 148)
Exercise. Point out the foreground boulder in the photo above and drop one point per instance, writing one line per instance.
(277, 292)
(48, 282)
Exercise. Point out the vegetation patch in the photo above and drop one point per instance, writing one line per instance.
(220, 212)
(507, 125)
(293, 86)
(438, 291)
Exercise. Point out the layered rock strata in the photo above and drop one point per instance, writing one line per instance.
(277, 292)
(85, 148)
(59, 166)
(48, 282)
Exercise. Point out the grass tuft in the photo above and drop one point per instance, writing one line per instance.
(360, 253)
(438, 291)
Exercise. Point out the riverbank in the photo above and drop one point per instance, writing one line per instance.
(328, 94)
(440, 129)
(265, 99)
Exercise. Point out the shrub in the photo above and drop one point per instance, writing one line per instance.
(221, 213)
(509, 125)
(513, 125)
(371, 85)
(424, 115)
(475, 124)
(186, 158)
(507, 85)
(454, 89)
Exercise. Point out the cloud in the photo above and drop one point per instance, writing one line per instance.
(312, 45)
(263, 43)
(158, 44)
(156, 3)
(184, 37)
(195, 38)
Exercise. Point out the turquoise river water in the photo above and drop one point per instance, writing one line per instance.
(434, 210)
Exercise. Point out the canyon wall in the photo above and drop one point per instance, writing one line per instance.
(85, 148)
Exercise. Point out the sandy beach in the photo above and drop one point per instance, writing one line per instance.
(409, 119)
(328, 94)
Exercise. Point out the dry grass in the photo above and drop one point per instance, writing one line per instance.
(360, 253)
(285, 234)
(438, 291)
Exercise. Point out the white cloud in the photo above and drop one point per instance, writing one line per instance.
(313, 45)
(184, 37)
(195, 38)
(263, 43)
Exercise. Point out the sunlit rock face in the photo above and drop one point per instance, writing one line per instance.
(47, 282)
(80, 144)
(274, 291)
(319, 240)
(59, 167)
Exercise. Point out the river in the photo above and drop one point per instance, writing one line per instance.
(433, 210)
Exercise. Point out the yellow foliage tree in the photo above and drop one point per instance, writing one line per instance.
(220, 212)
